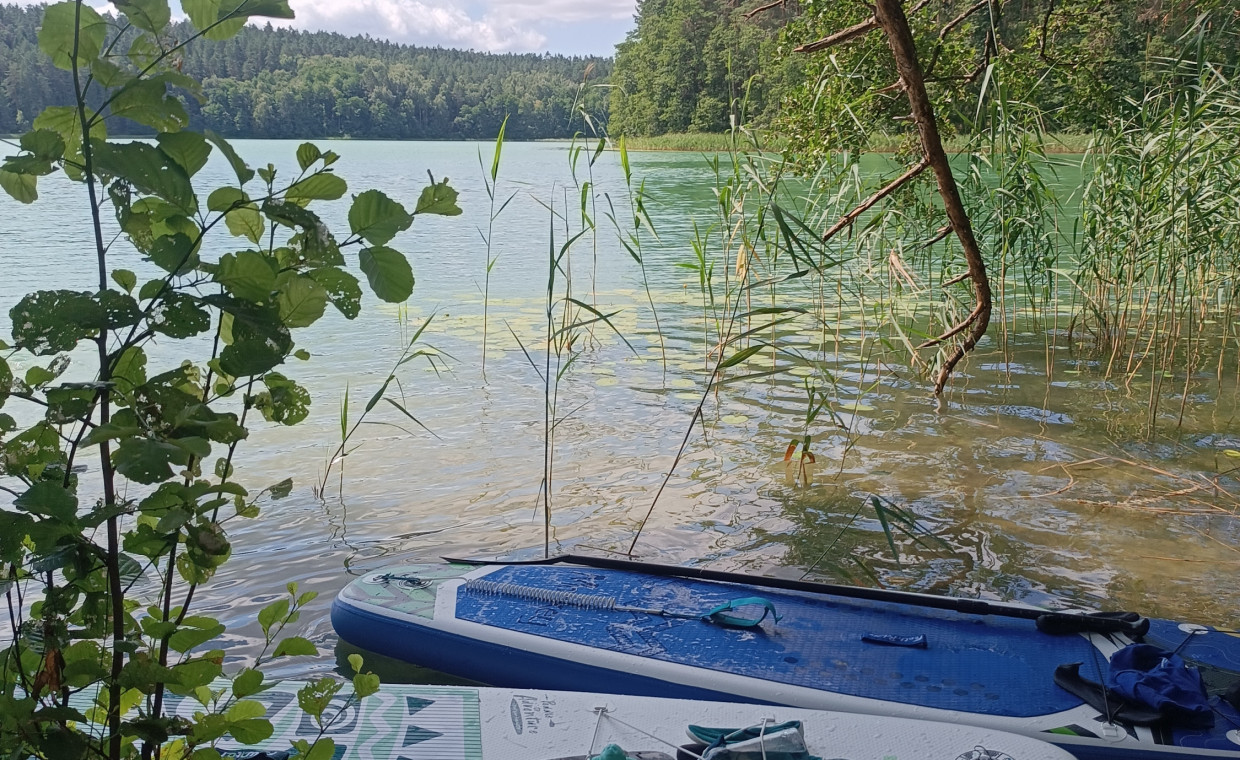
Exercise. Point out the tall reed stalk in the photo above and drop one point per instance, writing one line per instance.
(491, 182)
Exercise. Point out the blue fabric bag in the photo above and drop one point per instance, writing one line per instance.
(1162, 681)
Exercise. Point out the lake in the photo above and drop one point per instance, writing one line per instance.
(1036, 480)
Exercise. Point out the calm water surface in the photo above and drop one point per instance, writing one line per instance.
(1045, 492)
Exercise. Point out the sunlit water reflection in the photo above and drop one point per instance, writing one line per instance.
(1020, 481)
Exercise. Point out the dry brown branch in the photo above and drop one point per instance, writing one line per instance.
(964, 325)
(850, 33)
(957, 279)
(891, 17)
(939, 237)
(946, 30)
(764, 8)
(868, 203)
(840, 37)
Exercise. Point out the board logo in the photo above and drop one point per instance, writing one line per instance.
(981, 753)
(514, 712)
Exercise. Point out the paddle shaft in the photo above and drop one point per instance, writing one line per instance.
(1058, 621)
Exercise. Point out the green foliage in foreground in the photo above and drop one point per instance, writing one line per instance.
(285, 83)
(99, 570)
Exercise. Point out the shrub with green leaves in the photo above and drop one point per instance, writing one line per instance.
(100, 570)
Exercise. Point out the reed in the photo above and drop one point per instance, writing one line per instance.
(1160, 249)
(490, 180)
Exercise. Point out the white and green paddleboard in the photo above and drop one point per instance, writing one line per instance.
(404, 722)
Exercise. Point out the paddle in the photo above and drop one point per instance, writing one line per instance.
(1128, 623)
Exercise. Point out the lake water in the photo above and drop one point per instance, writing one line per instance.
(1045, 492)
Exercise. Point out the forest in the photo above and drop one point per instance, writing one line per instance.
(269, 82)
(702, 65)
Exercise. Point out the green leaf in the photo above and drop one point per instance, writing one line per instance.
(295, 646)
(199, 671)
(307, 154)
(251, 730)
(365, 685)
(45, 144)
(65, 40)
(151, 15)
(741, 355)
(68, 405)
(389, 273)
(144, 51)
(109, 74)
(119, 309)
(180, 316)
(302, 300)
(63, 120)
(175, 254)
(272, 615)
(221, 19)
(342, 289)
(147, 101)
(6, 381)
(193, 445)
(284, 401)
(23, 188)
(146, 460)
(377, 218)
(321, 186)
(244, 172)
(254, 354)
(246, 222)
(315, 697)
(28, 166)
(323, 749)
(49, 499)
(126, 279)
(52, 321)
(438, 198)
(130, 370)
(189, 637)
(225, 198)
(149, 170)
(189, 149)
(292, 215)
(37, 377)
(247, 274)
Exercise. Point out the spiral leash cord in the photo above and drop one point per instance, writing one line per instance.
(544, 595)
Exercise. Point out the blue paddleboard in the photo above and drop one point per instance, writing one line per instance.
(632, 629)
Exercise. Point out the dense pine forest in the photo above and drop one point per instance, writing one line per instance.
(283, 83)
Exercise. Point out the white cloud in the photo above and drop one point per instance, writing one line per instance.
(493, 26)
(577, 26)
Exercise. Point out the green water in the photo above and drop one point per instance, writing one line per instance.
(1050, 492)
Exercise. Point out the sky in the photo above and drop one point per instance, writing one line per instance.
(570, 27)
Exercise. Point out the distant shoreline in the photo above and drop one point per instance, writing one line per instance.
(712, 142)
(686, 142)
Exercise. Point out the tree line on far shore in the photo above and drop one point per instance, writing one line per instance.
(283, 83)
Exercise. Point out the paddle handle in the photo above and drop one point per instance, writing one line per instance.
(1128, 623)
